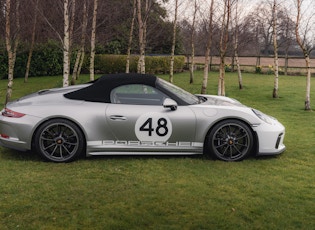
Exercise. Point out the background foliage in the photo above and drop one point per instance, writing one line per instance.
(47, 61)
(153, 64)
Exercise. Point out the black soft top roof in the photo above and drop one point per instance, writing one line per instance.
(100, 89)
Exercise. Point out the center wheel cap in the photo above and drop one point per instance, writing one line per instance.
(59, 141)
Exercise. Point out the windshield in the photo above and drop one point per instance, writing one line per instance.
(178, 92)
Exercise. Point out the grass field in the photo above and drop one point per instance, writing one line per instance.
(136, 192)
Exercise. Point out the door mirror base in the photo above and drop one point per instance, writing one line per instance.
(170, 103)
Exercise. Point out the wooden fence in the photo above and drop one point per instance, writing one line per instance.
(288, 66)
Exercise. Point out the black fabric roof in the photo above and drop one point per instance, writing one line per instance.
(100, 90)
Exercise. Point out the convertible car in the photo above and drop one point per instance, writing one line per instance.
(136, 114)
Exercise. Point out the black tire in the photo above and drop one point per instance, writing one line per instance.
(230, 140)
(59, 140)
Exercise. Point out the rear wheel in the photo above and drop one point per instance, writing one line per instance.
(59, 140)
(230, 140)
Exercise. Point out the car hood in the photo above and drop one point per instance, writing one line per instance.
(220, 101)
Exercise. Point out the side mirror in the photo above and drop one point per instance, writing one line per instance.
(170, 103)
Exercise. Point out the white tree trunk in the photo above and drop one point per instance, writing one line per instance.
(30, 54)
(223, 45)
(236, 42)
(141, 61)
(207, 54)
(93, 35)
(275, 46)
(308, 84)
(192, 40)
(307, 104)
(8, 40)
(173, 43)
(80, 54)
(66, 44)
(130, 36)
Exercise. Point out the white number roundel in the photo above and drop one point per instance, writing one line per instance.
(153, 127)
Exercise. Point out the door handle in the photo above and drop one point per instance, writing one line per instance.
(117, 118)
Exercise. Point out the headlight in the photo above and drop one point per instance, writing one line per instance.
(263, 116)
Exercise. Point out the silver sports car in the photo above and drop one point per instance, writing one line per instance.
(136, 114)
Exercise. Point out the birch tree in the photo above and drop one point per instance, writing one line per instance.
(81, 52)
(11, 43)
(192, 44)
(306, 47)
(224, 37)
(93, 35)
(288, 36)
(30, 53)
(173, 43)
(275, 93)
(236, 44)
(66, 44)
(208, 50)
(65, 37)
(141, 25)
(134, 12)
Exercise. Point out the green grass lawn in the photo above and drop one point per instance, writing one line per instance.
(136, 192)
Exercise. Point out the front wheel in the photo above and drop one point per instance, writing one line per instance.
(230, 140)
(59, 140)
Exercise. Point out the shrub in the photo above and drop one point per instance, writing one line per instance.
(153, 64)
(3, 63)
(110, 63)
(258, 69)
(46, 61)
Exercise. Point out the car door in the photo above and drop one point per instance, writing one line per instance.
(138, 119)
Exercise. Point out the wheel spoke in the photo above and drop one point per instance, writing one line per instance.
(231, 141)
(60, 151)
(237, 150)
(70, 143)
(221, 146)
(50, 133)
(50, 146)
(66, 149)
(242, 145)
(59, 141)
(231, 151)
(54, 150)
(47, 139)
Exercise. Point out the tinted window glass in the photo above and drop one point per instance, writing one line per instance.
(137, 94)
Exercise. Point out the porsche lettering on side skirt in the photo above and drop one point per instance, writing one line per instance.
(146, 143)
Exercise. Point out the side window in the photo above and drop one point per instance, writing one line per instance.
(137, 94)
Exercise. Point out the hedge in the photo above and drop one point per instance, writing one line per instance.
(47, 61)
(153, 64)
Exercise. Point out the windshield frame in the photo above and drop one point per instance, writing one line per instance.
(181, 96)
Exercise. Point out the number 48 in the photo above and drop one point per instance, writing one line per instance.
(161, 128)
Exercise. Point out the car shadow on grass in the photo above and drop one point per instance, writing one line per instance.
(166, 157)
(15, 155)
(141, 157)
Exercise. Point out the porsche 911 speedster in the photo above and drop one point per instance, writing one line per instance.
(136, 114)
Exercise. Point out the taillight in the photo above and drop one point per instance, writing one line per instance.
(5, 136)
(10, 113)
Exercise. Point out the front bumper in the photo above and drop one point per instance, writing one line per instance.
(270, 138)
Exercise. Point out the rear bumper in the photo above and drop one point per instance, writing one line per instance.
(16, 133)
(13, 144)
